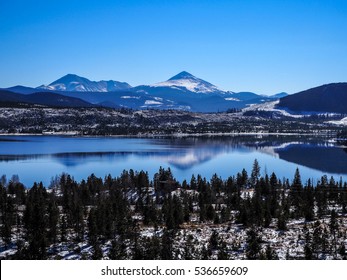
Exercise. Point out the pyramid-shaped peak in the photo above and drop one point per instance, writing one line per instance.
(70, 78)
(182, 75)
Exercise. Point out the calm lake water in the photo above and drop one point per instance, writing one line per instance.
(40, 158)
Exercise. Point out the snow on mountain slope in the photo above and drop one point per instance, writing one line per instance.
(342, 122)
(71, 82)
(183, 91)
(187, 81)
(270, 107)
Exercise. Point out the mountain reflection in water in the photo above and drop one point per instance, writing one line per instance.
(186, 155)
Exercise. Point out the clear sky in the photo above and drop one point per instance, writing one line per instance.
(239, 45)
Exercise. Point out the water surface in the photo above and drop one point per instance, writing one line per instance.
(39, 158)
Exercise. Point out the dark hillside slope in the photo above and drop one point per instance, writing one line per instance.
(42, 98)
(326, 98)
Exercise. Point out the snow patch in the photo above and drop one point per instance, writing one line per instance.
(342, 122)
(152, 102)
(231, 99)
(193, 85)
(129, 97)
(270, 107)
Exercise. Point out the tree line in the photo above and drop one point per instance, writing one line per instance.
(117, 210)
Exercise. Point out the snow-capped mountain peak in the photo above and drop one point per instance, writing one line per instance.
(187, 81)
(72, 82)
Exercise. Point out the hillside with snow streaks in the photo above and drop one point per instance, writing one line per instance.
(270, 107)
(71, 82)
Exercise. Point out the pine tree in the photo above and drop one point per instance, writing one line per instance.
(210, 213)
(118, 250)
(205, 253)
(152, 248)
(35, 222)
(53, 219)
(7, 218)
(187, 208)
(177, 211)
(317, 239)
(223, 252)
(92, 227)
(63, 229)
(97, 252)
(225, 215)
(255, 173)
(270, 254)
(296, 191)
(308, 246)
(334, 227)
(213, 244)
(188, 248)
(166, 252)
(253, 248)
(308, 204)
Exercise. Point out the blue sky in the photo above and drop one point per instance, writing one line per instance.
(260, 46)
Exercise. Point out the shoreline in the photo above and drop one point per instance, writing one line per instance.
(175, 135)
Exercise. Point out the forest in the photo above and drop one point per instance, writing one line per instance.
(105, 121)
(246, 216)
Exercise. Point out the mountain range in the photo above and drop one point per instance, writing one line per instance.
(183, 91)
(72, 82)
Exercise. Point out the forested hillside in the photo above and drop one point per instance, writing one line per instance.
(132, 217)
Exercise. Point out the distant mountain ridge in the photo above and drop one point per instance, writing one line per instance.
(72, 82)
(326, 98)
(182, 91)
(42, 98)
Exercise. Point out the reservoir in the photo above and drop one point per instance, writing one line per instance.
(41, 158)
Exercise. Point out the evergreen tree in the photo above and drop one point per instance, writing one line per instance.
(118, 250)
(255, 172)
(282, 220)
(187, 208)
(92, 227)
(225, 214)
(334, 227)
(63, 229)
(150, 215)
(188, 248)
(35, 222)
(253, 249)
(152, 248)
(53, 220)
(308, 246)
(7, 218)
(308, 204)
(177, 211)
(270, 254)
(296, 196)
(223, 252)
(97, 252)
(166, 252)
(205, 253)
(214, 240)
(210, 213)
(202, 213)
